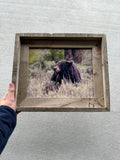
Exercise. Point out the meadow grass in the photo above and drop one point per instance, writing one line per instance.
(41, 78)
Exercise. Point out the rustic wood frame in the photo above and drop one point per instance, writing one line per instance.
(24, 41)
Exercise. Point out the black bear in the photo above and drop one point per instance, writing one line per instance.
(65, 70)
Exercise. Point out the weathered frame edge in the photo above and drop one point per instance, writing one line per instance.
(16, 70)
(16, 62)
(105, 72)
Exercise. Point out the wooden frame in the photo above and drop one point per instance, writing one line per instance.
(23, 41)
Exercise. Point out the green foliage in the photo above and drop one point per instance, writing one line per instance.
(49, 64)
(55, 54)
(45, 57)
(33, 56)
(48, 57)
(42, 64)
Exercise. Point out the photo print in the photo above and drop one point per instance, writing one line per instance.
(60, 73)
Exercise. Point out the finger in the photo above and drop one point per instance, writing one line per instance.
(11, 90)
(5, 96)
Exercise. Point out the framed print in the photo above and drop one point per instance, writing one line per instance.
(61, 72)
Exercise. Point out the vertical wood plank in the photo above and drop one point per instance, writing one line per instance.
(105, 74)
(97, 75)
(23, 76)
(16, 63)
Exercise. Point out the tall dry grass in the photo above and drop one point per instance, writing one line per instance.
(38, 79)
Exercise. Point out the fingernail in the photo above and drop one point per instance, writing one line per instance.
(10, 85)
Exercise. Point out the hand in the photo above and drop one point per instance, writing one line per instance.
(9, 99)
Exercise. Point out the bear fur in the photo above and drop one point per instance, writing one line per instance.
(65, 70)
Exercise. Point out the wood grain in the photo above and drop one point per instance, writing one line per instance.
(62, 41)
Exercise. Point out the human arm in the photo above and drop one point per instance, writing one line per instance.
(7, 124)
(7, 116)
